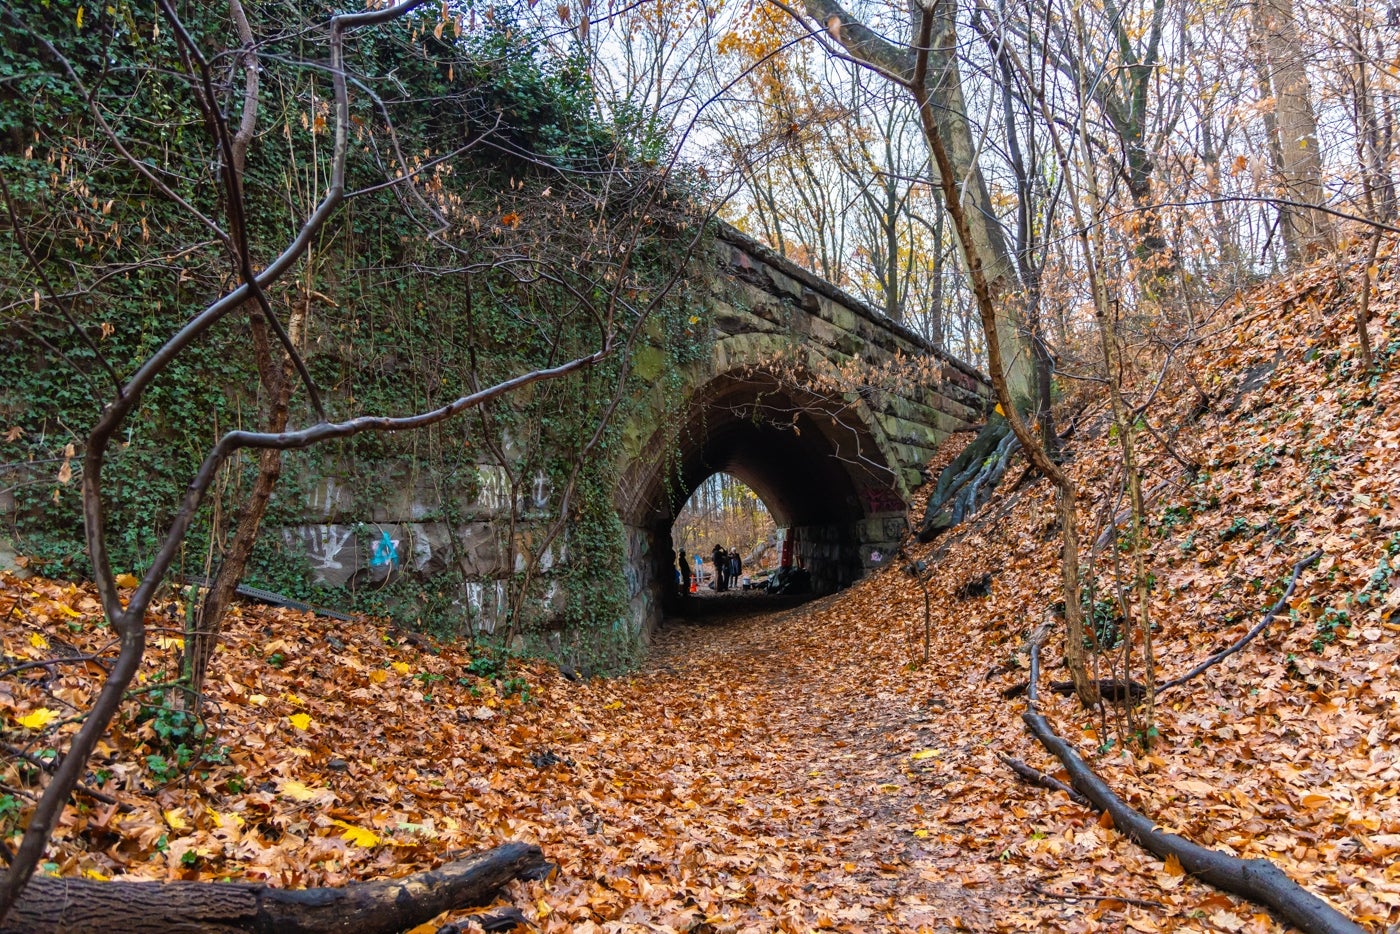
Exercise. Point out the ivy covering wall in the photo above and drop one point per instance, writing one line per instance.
(509, 256)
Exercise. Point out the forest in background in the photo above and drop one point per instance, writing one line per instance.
(1080, 196)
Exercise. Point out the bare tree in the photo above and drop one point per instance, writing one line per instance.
(939, 94)
(1305, 232)
(350, 131)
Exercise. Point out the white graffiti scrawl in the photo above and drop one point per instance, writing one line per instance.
(324, 543)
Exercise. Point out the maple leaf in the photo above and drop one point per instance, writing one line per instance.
(297, 791)
(357, 836)
(302, 721)
(38, 719)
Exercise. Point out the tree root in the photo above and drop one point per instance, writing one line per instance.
(1244, 640)
(1040, 779)
(1258, 880)
(84, 906)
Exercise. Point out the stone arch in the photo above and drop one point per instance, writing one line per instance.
(776, 415)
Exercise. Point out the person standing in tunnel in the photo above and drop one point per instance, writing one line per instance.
(685, 574)
(736, 567)
(720, 557)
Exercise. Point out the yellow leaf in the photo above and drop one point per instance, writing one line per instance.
(889, 788)
(297, 791)
(925, 754)
(171, 642)
(999, 410)
(293, 699)
(257, 700)
(1172, 867)
(400, 667)
(78, 20)
(301, 721)
(357, 836)
(223, 820)
(615, 705)
(38, 641)
(67, 610)
(921, 833)
(38, 719)
(128, 581)
(379, 676)
(96, 875)
(176, 820)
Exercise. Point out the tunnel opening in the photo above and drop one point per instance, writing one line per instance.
(725, 513)
(812, 458)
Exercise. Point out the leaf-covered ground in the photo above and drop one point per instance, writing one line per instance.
(806, 769)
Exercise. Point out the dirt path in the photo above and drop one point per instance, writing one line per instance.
(790, 770)
(826, 757)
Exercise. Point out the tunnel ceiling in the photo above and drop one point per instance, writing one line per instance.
(808, 459)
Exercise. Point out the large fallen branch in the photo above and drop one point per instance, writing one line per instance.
(1244, 640)
(1113, 688)
(1109, 688)
(78, 906)
(1038, 778)
(1258, 880)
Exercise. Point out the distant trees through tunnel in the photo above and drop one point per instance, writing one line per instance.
(725, 511)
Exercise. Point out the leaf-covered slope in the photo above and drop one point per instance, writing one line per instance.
(807, 770)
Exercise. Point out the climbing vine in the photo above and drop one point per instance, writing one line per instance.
(501, 260)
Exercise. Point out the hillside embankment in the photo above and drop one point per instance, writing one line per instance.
(810, 768)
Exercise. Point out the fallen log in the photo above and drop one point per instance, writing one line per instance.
(80, 906)
(1258, 880)
(1109, 688)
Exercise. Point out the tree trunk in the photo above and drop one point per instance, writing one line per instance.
(1305, 232)
(277, 383)
(943, 111)
(83, 906)
(983, 227)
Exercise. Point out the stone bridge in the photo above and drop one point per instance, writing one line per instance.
(822, 405)
(825, 407)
